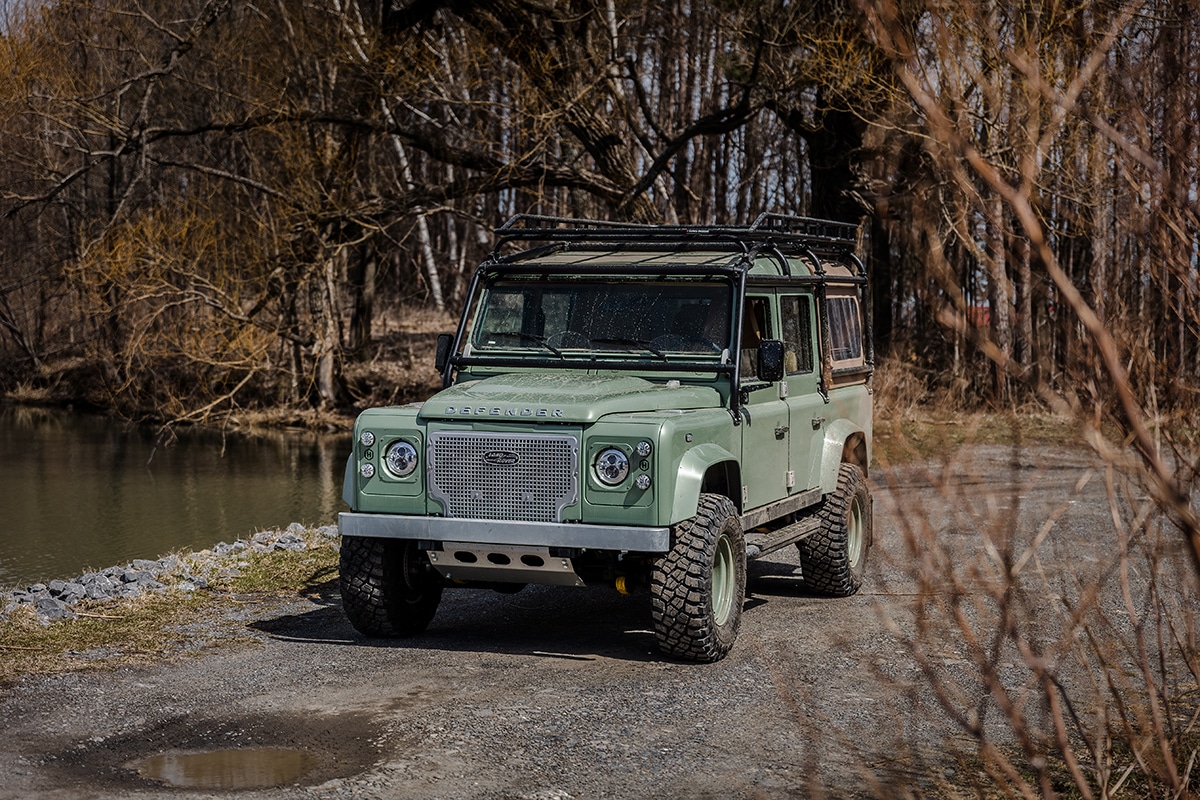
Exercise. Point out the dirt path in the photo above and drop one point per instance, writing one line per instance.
(552, 693)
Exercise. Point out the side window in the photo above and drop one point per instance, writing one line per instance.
(845, 328)
(756, 326)
(796, 316)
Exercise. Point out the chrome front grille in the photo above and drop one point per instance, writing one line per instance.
(504, 476)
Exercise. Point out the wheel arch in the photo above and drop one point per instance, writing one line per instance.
(707, 468)
(845, 443)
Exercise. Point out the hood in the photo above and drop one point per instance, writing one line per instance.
(562, 397)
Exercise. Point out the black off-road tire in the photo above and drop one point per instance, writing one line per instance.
(388, 587)
(699, 587)
(832, 559)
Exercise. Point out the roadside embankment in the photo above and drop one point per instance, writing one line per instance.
(155, 608)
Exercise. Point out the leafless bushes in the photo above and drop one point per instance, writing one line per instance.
(1064, 646)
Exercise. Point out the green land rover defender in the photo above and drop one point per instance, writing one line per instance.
(630, 405)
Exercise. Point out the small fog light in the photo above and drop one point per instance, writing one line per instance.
(642, 482)
(644, 449)
(367, 470)
(366, 438)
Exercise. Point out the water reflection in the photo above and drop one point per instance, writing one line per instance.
(82, 491)
(228, 769)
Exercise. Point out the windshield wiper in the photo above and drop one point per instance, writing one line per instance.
(634, 343)
(529, 337)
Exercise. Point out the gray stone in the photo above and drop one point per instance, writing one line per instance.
(145, 565)
(67, 592)
(37, 588)
(296, 529)
(289, 541)
(99, 587)
(52, 608)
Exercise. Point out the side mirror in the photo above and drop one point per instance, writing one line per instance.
(770, 360)
(444, 342)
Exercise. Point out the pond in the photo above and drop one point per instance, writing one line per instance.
(82, 491)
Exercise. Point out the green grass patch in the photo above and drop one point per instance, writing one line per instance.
(284, 571)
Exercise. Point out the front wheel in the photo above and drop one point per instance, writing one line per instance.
(388, 587)
(832, 559)
(698, 588)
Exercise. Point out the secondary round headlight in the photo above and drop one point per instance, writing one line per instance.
(401, 459)
(612, 465)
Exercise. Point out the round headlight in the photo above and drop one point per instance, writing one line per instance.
(612, 465)
(401, 459)
(366, 438)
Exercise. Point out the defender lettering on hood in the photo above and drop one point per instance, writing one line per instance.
(496, 411)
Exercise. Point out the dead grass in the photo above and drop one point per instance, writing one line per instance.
(160, 625)
(903, 439)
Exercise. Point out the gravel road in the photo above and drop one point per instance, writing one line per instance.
(557, 693)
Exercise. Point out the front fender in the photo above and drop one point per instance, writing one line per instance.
(689, 478)
(349, 486)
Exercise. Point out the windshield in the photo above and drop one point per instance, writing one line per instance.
(643, 318)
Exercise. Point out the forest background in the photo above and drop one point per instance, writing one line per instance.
(216, 207)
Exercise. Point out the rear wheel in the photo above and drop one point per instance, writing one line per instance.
(832, 559)
(388, 587)
(698, 588)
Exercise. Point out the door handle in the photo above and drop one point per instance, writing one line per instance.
(817, 423)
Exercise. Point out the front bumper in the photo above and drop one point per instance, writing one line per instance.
(506, 532)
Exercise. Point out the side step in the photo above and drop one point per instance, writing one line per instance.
(759, 544)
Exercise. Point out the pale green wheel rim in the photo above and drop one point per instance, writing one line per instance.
(722, 581)
(854, 532)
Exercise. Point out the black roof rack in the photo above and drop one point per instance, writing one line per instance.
(778, 229)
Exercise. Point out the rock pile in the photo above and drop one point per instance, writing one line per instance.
(57, 599)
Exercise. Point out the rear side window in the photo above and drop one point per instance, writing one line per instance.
(845, 329)
(797, 333)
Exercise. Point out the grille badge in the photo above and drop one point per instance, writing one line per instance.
(501, 458)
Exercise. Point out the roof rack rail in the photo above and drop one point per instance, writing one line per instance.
(778, 229)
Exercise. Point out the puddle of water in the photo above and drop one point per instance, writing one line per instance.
(228, 769)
